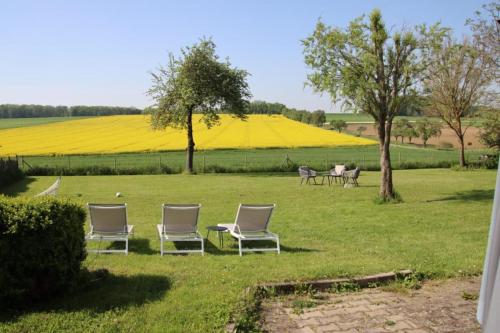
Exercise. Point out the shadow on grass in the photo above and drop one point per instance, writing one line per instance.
(473, 195)
(110, 292)
(230, 246)
(18, 187)
(135, 245)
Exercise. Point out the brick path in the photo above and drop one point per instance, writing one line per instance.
(437, 307)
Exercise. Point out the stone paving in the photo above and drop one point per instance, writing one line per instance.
(439, 306)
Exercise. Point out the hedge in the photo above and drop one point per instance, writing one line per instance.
(9, 172)
(42, 247)
(97, 170)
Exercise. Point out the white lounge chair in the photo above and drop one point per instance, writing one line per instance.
(108, 222)
(180, 224)
(251, 224)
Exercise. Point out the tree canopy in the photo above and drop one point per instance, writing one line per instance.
(197, 82)
(371, 71)
(427, 129)
(338, 125)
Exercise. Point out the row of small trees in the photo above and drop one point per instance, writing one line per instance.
(317, 118)
(402, 128)
(423, 128)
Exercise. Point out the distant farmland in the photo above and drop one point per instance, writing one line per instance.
(119, 134)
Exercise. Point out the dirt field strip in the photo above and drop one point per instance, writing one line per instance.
(447, 136)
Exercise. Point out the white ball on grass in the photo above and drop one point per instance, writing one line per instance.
(118, 194)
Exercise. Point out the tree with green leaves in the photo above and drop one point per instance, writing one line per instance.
(338, 125)
(490, 128)
(197, 82)
(427, 129)
(459, 78)
(403, 128)
(371, 72)
(318, 118)
(360, 130)
(462, 75)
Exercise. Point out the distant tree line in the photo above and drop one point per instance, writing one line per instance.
(261, 107)
(38, 111)
(316, 118)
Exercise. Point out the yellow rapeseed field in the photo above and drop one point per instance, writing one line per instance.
(116, 134)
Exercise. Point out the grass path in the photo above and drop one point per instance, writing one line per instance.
(440, 228)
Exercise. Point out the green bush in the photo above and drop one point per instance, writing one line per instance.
(445, 145)
(9, 172)
(42, 247)
(97, 170)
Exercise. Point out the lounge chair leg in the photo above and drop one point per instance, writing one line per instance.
(126, 247)
(315, 181)
(239, 245)
(301, 181)
(202, 248)
(161, 247)
(278, 245)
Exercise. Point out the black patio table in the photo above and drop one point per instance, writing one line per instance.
(327, 175)
(219, 230)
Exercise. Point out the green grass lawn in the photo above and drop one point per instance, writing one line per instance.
(26, 122)
(319, 158)
(326, 232)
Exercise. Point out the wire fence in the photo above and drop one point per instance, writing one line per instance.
(225, 161)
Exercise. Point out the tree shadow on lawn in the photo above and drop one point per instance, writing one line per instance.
(18, 187)
(473, 195)
(100, 295)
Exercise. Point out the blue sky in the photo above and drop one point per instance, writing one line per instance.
(100, 52)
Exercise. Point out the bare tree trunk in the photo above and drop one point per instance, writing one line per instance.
(386, 187)
(462, 150)
(190, 147)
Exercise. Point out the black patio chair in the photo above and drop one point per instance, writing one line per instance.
(351, 176)
(307, 174)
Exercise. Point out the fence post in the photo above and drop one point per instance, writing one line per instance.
(69, 162)
(364, 161)
(246, 161)
(203, 162)
(115, 164)
(159, 163)
(399, 158)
